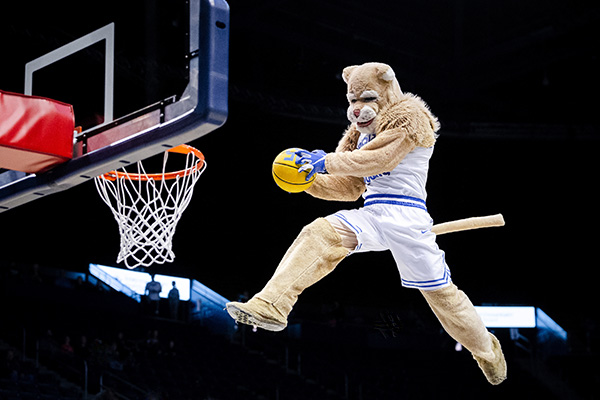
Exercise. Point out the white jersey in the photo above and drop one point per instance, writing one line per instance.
(395, 218)
(405, 183)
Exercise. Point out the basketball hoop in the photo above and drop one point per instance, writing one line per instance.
(148, 207)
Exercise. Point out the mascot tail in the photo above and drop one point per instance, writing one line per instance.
(468, 224)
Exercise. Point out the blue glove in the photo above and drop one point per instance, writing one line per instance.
(314, 162)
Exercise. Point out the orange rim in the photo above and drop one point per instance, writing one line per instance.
(181, 149)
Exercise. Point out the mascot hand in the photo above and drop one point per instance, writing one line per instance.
(314, 162)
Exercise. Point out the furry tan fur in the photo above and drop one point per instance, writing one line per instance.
(313, 255)
(494, 370)
(468, 224)
(403, 122)
(460, 320)
(399, 122)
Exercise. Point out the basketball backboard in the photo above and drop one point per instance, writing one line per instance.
(142, 77)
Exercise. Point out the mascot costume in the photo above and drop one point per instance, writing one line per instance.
(383, 156)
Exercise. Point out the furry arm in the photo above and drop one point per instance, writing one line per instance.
(382, 154)
(346, 169)
(337, 188)
(400, 127)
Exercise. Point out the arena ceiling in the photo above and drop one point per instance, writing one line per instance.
(483, 62)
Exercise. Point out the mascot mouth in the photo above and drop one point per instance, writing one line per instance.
(366, 123)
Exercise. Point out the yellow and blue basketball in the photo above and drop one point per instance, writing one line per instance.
(286, 175)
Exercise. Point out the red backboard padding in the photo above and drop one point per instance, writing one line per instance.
(36, 133)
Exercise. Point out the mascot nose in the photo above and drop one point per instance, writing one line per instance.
(356, 112)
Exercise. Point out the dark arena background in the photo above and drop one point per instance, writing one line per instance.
(515, 86)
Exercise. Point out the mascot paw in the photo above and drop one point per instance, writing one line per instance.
(494, 371)
(256, 312)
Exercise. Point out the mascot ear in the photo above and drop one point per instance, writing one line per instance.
(347, 72)
(387, 75)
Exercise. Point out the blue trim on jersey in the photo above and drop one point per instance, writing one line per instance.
(395, 203)
(356, 229)
(429, 284)
(343, 218)
(393, 196)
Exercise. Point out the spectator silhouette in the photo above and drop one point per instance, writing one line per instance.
(48, 344)
(174, 301)
(82, 349)
(66, 346)
(153, 289)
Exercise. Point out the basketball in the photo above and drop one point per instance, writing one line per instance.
(286, 175)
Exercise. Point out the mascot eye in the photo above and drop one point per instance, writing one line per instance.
(369, 99)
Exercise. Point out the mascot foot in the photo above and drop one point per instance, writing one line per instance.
(314, 254)
(257, 312)
(494, 371)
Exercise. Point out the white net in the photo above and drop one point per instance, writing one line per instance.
(148, 207)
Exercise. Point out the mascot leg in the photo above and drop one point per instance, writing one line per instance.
(459, 318)
(313, 255)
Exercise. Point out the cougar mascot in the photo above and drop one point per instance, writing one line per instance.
(383, 156)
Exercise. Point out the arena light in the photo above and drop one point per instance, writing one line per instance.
(507, 316)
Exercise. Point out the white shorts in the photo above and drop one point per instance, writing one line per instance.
(404, 228)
